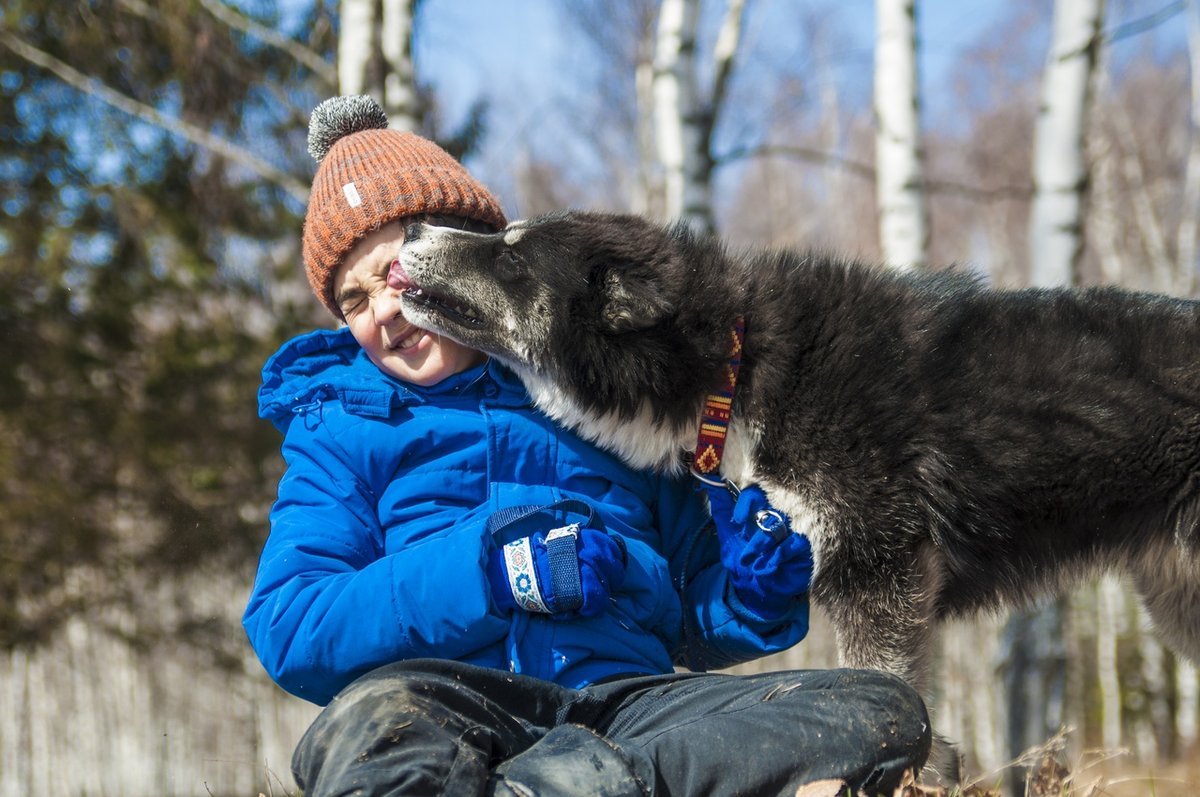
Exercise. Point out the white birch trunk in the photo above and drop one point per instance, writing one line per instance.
(900, 193)
(399, 84)
(1156, 726)
(1187, 690)
(1149, 227)
(356, 45)
(1109, 606)
(1104, 211)
(1186, 234)
(698, 205)
(684, 124)
(1076, 682)
(375, 57)
(645, 189)
(676, 112)
(1060, 169)
(967, 709)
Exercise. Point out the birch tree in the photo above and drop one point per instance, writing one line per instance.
(355, 48)
(1186, 234)
(1187, 675)
(644, 192)
(1059, 167)
(676, 114)
(1187, 687)
(900, 193)
(1110, 610)
(375, 57)
(684, 121)
(1056, 244)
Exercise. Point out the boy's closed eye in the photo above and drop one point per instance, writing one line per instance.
(351, 301)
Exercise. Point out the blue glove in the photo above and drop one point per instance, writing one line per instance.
(565, 573)
(769, 565)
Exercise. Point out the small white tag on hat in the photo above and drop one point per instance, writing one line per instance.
(351, 192)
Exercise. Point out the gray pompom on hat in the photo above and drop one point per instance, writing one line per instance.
(337, 117)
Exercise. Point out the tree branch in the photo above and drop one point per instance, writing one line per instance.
(1143, 24)
(325, 71)
(728, 41)
(806, 154)
(867, 172)
(197, 135)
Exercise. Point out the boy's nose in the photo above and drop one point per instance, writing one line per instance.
(386, 306)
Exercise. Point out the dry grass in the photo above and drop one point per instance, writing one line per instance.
(1049, 779)
(1093, 774)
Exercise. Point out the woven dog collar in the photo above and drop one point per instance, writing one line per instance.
(718, 410)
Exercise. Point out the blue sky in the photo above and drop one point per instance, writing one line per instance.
(465, 44)
(523, 56)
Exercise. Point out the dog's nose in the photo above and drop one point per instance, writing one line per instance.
(413, 231)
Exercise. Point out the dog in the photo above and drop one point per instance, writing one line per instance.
(947, 447)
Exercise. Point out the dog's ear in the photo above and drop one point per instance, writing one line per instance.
(632, 301)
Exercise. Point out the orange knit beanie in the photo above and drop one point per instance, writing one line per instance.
(368, 176)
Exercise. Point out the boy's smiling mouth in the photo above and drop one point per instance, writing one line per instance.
(410, 338)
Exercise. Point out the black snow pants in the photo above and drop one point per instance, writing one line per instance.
(430, 727)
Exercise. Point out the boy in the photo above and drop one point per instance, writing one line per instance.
(493, 605)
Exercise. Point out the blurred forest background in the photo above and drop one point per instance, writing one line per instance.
(153, 177)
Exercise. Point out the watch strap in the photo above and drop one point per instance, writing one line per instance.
(565, 583)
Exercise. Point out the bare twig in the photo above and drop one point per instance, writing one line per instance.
(235, 19)
(999, 194)
(867, 172)
(808, 154)
(728, 40)
(191, 132)
(1143, 24)
(1150, 226)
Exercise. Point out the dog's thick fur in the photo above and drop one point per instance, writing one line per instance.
(947, 447)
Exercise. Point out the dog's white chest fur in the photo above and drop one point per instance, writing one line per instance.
(640, 441)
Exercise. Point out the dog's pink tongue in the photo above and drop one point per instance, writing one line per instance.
(398, 278)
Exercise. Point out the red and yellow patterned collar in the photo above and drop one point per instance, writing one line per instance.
(718, 411)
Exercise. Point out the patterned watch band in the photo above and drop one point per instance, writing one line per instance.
(522, 577)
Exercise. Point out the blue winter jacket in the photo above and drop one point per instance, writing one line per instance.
(377, 545)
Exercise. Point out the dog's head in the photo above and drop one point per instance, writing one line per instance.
(585, 300)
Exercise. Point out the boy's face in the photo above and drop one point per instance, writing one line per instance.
(372, 312)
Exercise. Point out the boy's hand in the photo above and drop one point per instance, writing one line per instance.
(769, 565)
(565, 572)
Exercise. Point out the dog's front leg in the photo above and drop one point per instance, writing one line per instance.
(884, 611)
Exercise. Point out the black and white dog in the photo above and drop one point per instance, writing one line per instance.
(946, 447)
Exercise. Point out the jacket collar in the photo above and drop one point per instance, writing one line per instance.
(329, 363)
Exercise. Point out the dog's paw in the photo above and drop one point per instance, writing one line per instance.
(944, 765)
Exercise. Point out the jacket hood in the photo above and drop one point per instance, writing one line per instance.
(330, 364)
